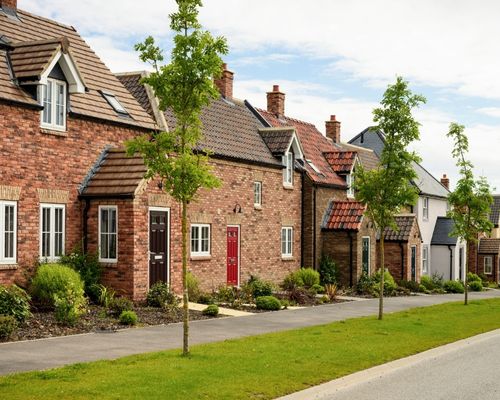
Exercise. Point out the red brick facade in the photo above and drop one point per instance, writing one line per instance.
(494, 275)
(398, 257)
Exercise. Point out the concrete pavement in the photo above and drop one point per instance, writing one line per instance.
(49, 353)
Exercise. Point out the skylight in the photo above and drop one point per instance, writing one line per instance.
(313, 167)
(113, 102)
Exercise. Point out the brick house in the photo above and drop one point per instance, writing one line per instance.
(402, 248)
(59, 108)
(488, 259)
(249, 226)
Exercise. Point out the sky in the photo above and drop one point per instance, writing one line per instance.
(333, 57)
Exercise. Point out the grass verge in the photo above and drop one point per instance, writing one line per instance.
(261, 367)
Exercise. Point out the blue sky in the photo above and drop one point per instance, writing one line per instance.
(334, 57)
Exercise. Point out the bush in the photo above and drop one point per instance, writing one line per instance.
(412, 286)
(8, 325)
(119, 304)
(205, 299)
(54, 279)
(193, 287)
(89, 268)
(291, 282)
(389, 283)
(328, 271)
(365, 284)
(427, 282)
(476, 286)
(453, 286)
(285, 304)
(423, 289)
(226, 294)
(106, 295)
(308, 276)
(331, 291)
(259, 287)
(128, 318)
(159, 295)
(317, 288)
(471, 277)
(212, 310)
(485, 280)
(300, 295)
(69, 305)
(269, 303)
(437, 280)
(15, 301)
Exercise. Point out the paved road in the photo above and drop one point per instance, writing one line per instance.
(464, 370)
(54, 352)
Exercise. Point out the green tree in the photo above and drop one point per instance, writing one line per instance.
(471, 200)
(388, 188)
(185, 86)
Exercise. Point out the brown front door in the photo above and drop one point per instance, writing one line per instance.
(158, 247)
(232, 255)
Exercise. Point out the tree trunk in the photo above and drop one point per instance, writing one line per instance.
(382, 273)
(185, 298)
(466, 291)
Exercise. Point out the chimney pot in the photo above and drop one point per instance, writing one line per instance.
(332, 128)
(225, 82)
(276, 102)
(9, 4)
(445, 181)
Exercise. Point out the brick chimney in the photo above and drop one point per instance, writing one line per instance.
(9, 4)
(445, 181)
(333, 129)
(225, 82)
(276, 102)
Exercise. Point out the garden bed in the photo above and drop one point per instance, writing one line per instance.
(44, 325)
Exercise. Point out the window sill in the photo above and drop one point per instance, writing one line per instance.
(109, 264)
(288, 187)
(5, 267)
(54, 131)
(287, 258)
(200, 258)
(257, 207)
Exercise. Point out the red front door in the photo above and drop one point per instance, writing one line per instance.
(232, 254)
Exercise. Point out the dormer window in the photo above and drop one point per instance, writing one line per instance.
(288, 171)
(113, 102)
(349, 180)
(53, 99)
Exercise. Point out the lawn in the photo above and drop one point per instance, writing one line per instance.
(261, 367)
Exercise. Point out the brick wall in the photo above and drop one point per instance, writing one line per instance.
(33, 159)
(392, 253)
(494, 276)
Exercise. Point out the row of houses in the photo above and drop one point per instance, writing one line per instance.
(286, 197)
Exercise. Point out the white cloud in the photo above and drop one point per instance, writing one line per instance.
(490, 111)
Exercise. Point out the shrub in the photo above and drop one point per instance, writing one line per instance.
(8, 325)
(437, 280)
(193, 287)
(300, 295)
(106, 295)
(328, 271)
(365, 284)
(317, 288)
(453, 286)
(285, 304)
(331, 291)
(212, 310)
(471, 277)
(291, 282)
(14, 301)
(89, 268)
(423, 289)
(226, 294)
(259, 287)
(119, 304)
(485, 280)
(205, 299)
(128, 318)
(389, 283)
(476, 286)
(159, 295)
(52, 279)
(269, 303)
(69, 305)
(427, 282)
(308, 276)
(412, 286)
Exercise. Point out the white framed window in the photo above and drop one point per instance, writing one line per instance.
(8, 232)
(108, 234)
(115, 103)
(287, 160)
(53, 99)
(286, 241)
(488, 265)
(425, 258)
(349, 180)
(425, 208)
(257, 194)
(200, 239)
(52, 231)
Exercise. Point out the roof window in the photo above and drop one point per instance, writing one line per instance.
(113, 102)
(313, 167)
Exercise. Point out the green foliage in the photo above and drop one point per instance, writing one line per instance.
(159, 295)
(317, 288)
(437, 280)
(212, 310)
(269, 303)
(365, 284)
(308, 276)
(128, 318)
(427, 282)
(285, 303)
(259, 287)
(105, 295)
(69, 304)
(485, 280)
(423, 289)
(331, 291)
(54, 279)
(193, 286)
(476, 286)
(8, 325)
(205, 299)
(89, 268)
(453, 286)
(412, 286)
(226, 294)
(389, 283)
(471, 277)
(328, 271)
(119, 304)
(14, 301)
(291, 282)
